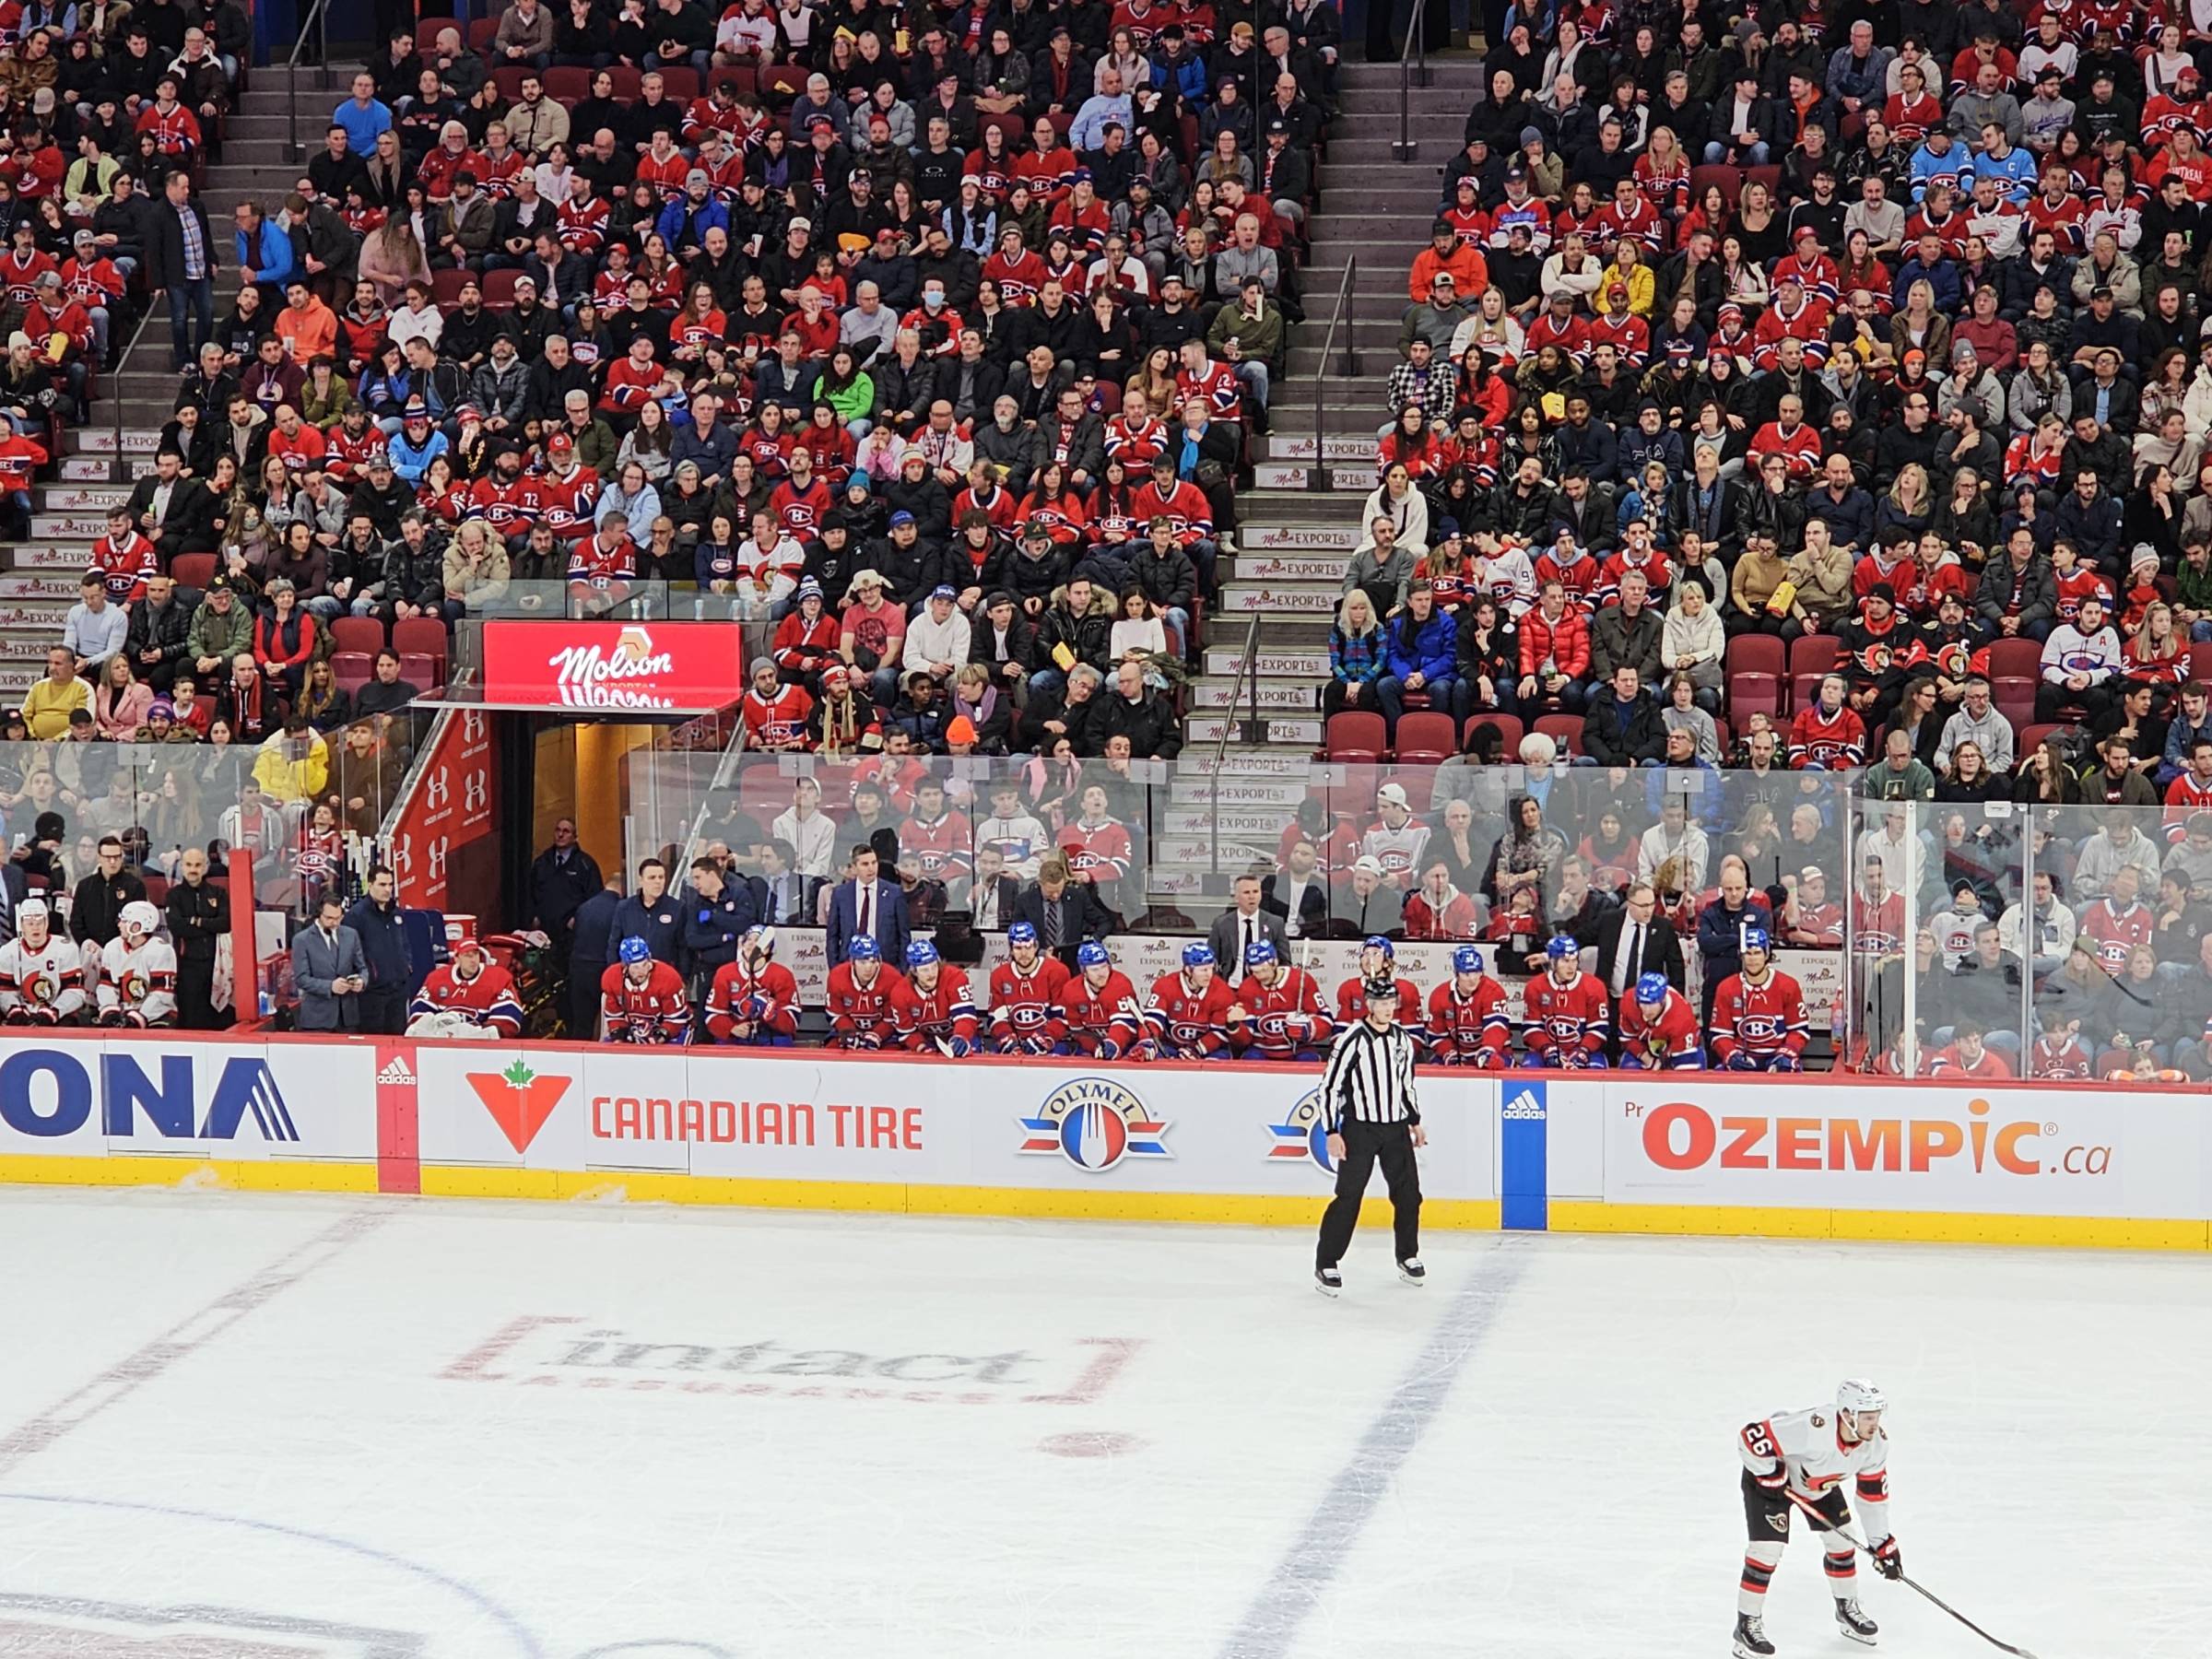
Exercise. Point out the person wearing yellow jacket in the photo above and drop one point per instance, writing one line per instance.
(293, 764)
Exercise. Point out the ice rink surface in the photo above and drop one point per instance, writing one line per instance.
(235, 1427)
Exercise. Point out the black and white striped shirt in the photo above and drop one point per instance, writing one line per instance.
(1370, 1077)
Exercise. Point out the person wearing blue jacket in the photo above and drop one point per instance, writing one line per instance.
(591, 947)
(375, 917)
(263, 250)
(652, 914)
(717, 912)
(685, 223)
(1422, 652)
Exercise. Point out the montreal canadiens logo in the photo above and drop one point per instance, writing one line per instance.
(1301, 1135)
(1762, 1027)
(1095, 1123)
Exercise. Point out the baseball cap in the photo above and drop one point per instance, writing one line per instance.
(1391, 795)
(698, 175)
(901, 516)
(560, 441)
(1367, 865)
(944, 591)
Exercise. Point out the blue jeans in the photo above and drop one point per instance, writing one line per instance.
(1755, 155)
(198, 299)
(1176, 623)
(1047, 682)
(1390, 698)
(2200, 630)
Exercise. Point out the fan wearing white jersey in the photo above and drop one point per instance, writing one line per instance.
(1806, 1456)
(138, 972)
(41, 972)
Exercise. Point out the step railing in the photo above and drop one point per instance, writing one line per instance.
(1318, 476)
(314, 27)
(1413, 71)
(1247, 667)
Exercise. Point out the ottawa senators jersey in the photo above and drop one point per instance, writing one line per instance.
(865, 1013)
(1104, 1020)
(943, 1017)
(1804, 1452)
(1352, 1002)
(486, 1000)
(41, 986)
(1562, 1021)
(1759, 1019)
(1281, 1021)
(1470, 1030)
(1025, 1005)
(655, 1012)
(1187, 1023)
(138, 987)
(768, 1001)
(1661, 1039)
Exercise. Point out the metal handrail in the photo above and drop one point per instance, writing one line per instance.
(115, 395)
(1317, 476)
(316, 24)
(1247, 663)
(1413, 70)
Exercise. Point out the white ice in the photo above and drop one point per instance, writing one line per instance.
(1530, 1457)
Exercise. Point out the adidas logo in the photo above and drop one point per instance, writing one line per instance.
(395, 1073)
(1525, 1105)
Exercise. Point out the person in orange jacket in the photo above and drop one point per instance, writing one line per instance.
(1462, 260)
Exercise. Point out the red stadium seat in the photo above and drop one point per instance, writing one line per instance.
(628, 82)
(2200, 662)
(2015, 699)
(1813, 654)
(445, 286)
(1726, 174)
(1750, 694)
(567, 86)
(364, 634)
(2031, 737)
(1417, 782)
(682, 85)
(1566, 730)
(1510, 732)
(2015, 659)
(420, 670)
(499, 289)
(507, 77)
(353, 669)
(1355, 734)
(480, 31)
(1425, 739)
(192, 570)
(1757, 653)
(1722, 735)
(422, 636)
(782, 84)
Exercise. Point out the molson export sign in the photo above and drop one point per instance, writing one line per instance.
(663, 667)
(1907, 1148)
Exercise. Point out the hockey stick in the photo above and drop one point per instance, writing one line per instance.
(1858, 1543)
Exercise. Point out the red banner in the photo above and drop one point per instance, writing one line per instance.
(651, 668)
(445, 841)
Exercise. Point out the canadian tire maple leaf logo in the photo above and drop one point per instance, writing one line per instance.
(519, 1099)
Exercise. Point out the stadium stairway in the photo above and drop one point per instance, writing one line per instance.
(38, 576)
(1293, 541)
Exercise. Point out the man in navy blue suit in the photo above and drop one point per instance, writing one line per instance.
(867, 904)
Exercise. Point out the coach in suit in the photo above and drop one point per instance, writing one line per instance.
(1245, 923)
(1635, 940)
(330, 972)
(867, 904)
(1062, 909)
(781, 895)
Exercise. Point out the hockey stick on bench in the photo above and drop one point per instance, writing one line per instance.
(1860, 1544)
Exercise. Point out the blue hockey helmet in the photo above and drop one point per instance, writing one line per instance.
(1258, 954)
(1756, 939)
(1091, 954)
(1377, 942)
(921, 954)
(1195, 955)
(1651, 989)
(761, 938)
(1021, 932)
(1466, 960)
(1561, 946)
(635, 950)
(864, 948)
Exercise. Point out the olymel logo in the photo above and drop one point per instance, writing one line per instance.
(1682, 1136)
(519, 1099)
(589, 678)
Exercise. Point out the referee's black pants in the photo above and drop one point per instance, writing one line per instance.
(1366, 1145)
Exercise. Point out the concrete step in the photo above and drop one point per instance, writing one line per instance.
(1287, 570)
(99, 469)
(29, 625)
(1325, 506)
(1272, 793)
(1283, 696)
(1240, 599)
(98, 439)
(17, 679)
(1289, 539)
(26, 588)
(1272, 662)
(1295, 737)
(1363, 84)
(64, 560)
(72, 497)
(1200, 852)
(1340, 445)
(1290, 476)
(77, 526)
(1266, 823)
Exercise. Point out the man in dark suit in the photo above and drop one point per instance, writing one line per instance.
(330, 970)
(1244, 923)
(1635, 940)
(592, 942)
(867, 904)
(181, 257)
(176, 513)
(1063, 911)
(786, 898)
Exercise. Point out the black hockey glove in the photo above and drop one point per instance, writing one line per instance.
(1888, 1559)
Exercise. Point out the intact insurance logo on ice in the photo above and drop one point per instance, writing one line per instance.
(1095, 1124)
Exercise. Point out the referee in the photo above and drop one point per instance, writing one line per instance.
(1374, 1115)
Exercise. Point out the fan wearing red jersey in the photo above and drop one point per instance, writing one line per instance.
(864, 997)
(1190, 1010)
(1828, 734)
(754, 998)
(1378, 960)
(1967, 1056)
(1467, 1025)
(642, 1000)
(468, 997)
(1283, 1019)
(1659, 1029)
(937, 1012)
(1025, 997)
(1758, 1014)
(1098, 1007)
(1565, 1012)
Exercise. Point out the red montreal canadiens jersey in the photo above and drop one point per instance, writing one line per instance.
(800, 511)
(2116, 932)
(1283, 1019)
(590, 561)
(769, 999)
(1565, 1017)
(1761, 1020)
(126, 564)
(1186, 1021)
(566, 501)
(1108, 1014)
(1664, 1038)
(2065, 1058)
(1024, 1005)
(1101, 850)
(1877, 929)
(940, 1014)
(868, 1012)
(775, 722)
(657, 1011)
(486, 1000)
(1352, 1002)
(1470, 1030)
(1832, 741)
(942, 846)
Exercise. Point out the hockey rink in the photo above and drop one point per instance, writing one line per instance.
(239, 1427)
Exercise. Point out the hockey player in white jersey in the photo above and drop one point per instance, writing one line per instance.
(138, 972)
(1811, 1453)
(42, 973)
